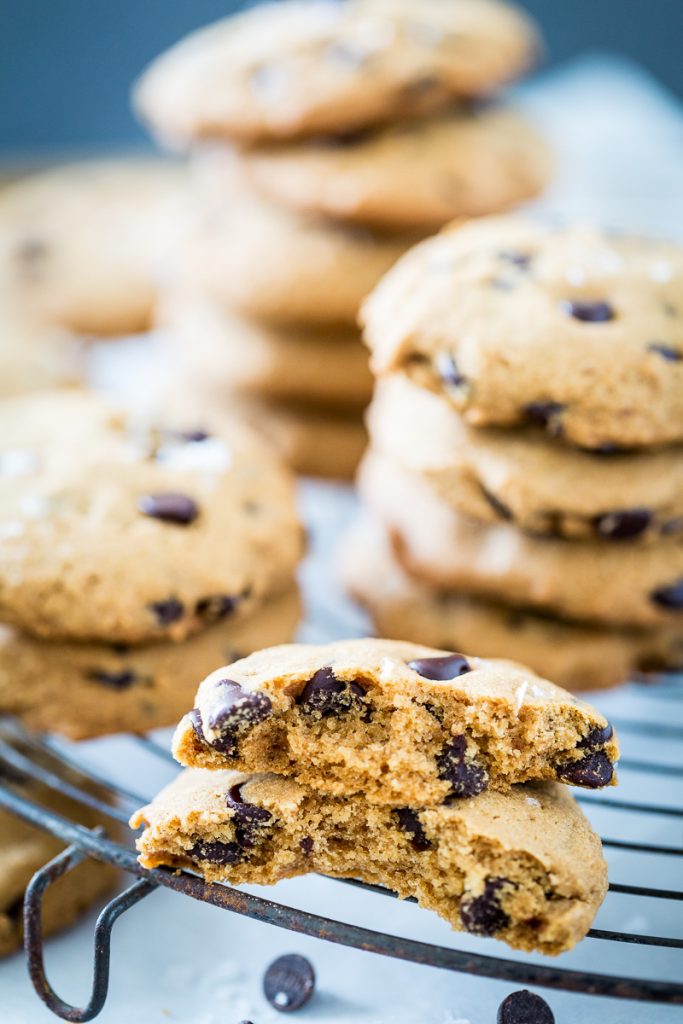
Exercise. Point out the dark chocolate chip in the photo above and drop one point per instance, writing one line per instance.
(466, 778)
(167, 611)
(14, 911)
(498, 506)
(669, 597)
(624, 524)
(122, 680)
(249, 820)
(592, 772)
(517, 259)
(234, 712)
(216, 607)
(325, 695)
(409, 821)
(597, 737)
(217, 852)
(289, 982)
(483, 915)
(524, 1008)
(193, 436)
(443, 668)
(306, 846)
(589, 312)
(196, 722)
(668, 352)
(170, 508)
(545, 414)
(449, 372)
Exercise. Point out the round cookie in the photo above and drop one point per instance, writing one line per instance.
(575, 656)
(128, 532)
(34, 355)
(79, 243)
(572, 329)
(495, 475)
(82, 690)
(294, 69)
(587, 581)
(222, 351)
(279, 267)
(416, 175)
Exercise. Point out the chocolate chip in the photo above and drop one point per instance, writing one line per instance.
(325, 695)
(597, 737)
(306, 846)
(483, 915)
(409, 821)
(465, 777)
(289, 982)
(249, 820)
(217, 852)
(517, 259)
(672, 355)
(170, 508)
(193, 436)
(592, 772)
(216, 607)
(167, 611)
(624, 524)
(449, 372)
(235, 711)
(196, 722)
(442, 668)
(15, 911)
(122, 680)
(524, 1008)
(669, 597)
(589, 312)
(499, 507)
(545, 414)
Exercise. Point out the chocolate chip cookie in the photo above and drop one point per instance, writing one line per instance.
(574, 330)
(523, 866)
(395, 721)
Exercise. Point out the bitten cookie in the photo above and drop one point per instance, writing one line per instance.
(416, 175)
(119, 531)
(522, 866)
(576, 656)
(495, 475)
(83, 690)
(79, 243)
(587, 581)
(294, 69)
(574, 330)
(395, 721)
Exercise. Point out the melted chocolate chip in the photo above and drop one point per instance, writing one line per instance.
(216, 607)
(217, 852)
(122, 680)
(449, 372)
(592, 772)
(597, 737)
(234, 712)
(306, 846)
(589, 312)
(167, 611)
(249, 819)
(289, 982)
(668, 352)
(327, 696)
(196, 723)
(409, 821)
(169, 508)
(443, 668)
(466, 778)
(483, 915)
(524, 1007)
(545, 414)
(499, 507)
(670, 597)
(624, 524)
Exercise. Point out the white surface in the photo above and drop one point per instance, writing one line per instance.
(620, 151)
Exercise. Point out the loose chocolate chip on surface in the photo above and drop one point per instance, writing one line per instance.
(169, 508)
(545, 414)
(624, 524)
(589, 312)
(449, 372)
(409, 821)
(167, 611)
(289, 982)
(217, 852)
(443, 668)
(325, 695)
(466, 778)
(597, 737)
(235, 711)
(122, 680)
(196, 723)
(498, 506)
(483, 915)
(670, 597)
(216, 607)
(592, 772)
(668, 352)
(524, 1007)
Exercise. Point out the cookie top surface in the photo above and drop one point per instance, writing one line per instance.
(415, 175)
(79, 243)
(493, 474)
(299, 68)
(35, 355)
(122, 531)
(572, 329)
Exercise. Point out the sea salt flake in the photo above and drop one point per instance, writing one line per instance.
(520, 694)
(533, 802)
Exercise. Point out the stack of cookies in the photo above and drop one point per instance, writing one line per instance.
(525, 479)
(130, 553)
(433, 774)
(327, 139)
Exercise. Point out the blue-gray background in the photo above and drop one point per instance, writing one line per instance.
(66, 65)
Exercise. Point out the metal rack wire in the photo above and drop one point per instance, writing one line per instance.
(45, 760)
